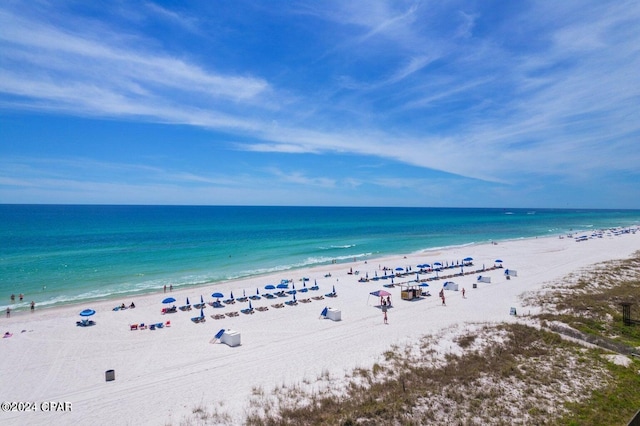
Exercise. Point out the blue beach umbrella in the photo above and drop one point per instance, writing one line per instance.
(188, 301)
(169, 300)
(231, 295)
(399, 269)
(250, 307)
(334, 288)
(201, 313)
(498, 261)
(87, 313)
(270, 287)
(283, 285)
(201, 299)
(257, 292)
(217, 295)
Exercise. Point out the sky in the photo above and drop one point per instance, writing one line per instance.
(530, 104)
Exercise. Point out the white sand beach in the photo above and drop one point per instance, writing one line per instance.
(162, 375)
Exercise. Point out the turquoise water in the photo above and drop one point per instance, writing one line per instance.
(60, 254)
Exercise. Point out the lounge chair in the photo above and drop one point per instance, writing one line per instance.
(268, 296)
(242, 299)
(232, 314)
(315, 287)
(262, 308)
(198, 320)
(291, 303)
(331, 294)
(305, 300)
(318, 297)
(133, 326)
(218, 316)
(247, 311)
(229, 301)
(200, 305)
(217, 304)
(185, 308)
(170, 310)
(278, 305)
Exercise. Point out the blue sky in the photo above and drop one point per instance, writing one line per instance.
(363, 103)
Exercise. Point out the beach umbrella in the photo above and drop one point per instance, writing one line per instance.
(270, 287)
(437, 264)
(201, 313)
(257, 291)
(250, 307)
(283, 285)
(498, 261)
(467, 259)
(188, 301)
(217, 294)
(169, 300)
(231, 295)
(399, 269)
(424, 285)
(201, 299)
(87, 313)
(334, 288)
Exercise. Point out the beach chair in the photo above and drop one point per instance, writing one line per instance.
(217, 336)
(133, 326)
(247, 311)
(167, 324)
(217, 304)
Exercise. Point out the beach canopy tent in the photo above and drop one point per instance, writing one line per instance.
(450, 285)
(379, 293)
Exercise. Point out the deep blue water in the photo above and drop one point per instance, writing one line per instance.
(57, 254)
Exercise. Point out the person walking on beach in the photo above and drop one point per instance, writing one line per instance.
(165, 288)
(8, 312)
(33, 306)
(463, 292)
(384, 312)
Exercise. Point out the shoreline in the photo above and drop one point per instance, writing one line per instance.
(357, 258)
(163, 375)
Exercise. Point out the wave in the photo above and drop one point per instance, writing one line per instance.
(340, 247)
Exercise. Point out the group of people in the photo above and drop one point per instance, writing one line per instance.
(13, 299)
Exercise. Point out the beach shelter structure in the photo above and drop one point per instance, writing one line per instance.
(378, 293)
(168, 300)
(410, 291)
(450, 285)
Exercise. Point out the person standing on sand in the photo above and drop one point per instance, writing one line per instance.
(33, 306)
(8, 312)
(463, 292)
(385, 316)
(165, 288)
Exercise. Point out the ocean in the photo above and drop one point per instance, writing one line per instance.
(63, 254)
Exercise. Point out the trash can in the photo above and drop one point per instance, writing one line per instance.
(110, 375)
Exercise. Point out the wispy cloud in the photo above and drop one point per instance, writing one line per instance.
(455, 89)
